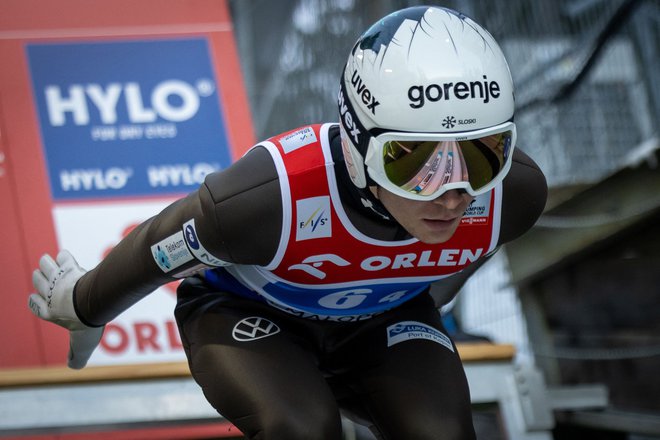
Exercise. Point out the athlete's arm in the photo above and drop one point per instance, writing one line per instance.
(238, 218)
(525, 192)
(446, 289)
(524, 195)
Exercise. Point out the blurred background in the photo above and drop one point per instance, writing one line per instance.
(579, 295)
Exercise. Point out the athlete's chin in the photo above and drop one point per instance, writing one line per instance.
(434, 237)
(435, 232)
(432, 240)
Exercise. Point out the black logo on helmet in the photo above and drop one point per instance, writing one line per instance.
(484, 90)
(364, 93)
(449, 122)
(347, 119)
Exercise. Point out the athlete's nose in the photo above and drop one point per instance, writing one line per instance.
(451, 199)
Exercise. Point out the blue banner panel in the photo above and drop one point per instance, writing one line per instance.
(128, 118)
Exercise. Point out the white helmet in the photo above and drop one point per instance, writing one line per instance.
(426, 105)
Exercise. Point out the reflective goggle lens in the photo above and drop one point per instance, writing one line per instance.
(422, 167)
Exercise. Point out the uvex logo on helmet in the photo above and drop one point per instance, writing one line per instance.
(347, 118)
(364, 93)
(483, 90)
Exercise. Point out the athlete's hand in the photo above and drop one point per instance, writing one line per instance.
(54, 281)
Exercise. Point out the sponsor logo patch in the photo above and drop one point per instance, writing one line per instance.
(196, 247)
(313, 218)
(407, 330)
(254, 327)
(478, 211)
(298, 139)
(484, 90)
(171, 252)
(312, 264)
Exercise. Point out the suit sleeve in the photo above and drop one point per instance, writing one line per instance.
(525, 192)
(525, 195)
(237, 214)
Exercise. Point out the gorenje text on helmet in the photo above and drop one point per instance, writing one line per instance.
(460, 90)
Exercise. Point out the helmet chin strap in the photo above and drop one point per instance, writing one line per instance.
(360, 197)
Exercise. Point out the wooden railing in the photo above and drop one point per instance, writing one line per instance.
(57, 375)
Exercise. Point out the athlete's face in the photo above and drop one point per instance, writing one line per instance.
(430, 222)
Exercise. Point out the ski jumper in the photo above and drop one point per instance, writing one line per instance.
(312, 302)
(324, 267)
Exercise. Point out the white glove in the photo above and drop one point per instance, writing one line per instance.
(54, 281)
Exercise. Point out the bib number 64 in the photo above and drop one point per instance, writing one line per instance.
(347, 299)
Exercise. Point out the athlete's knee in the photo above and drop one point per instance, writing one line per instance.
(451, 430)
(299, 428)
(448, 429)
(316, 422)
(444, 426)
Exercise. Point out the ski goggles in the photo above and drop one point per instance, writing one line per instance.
(422, 166)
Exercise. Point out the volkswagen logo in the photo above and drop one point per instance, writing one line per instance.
(254, 327)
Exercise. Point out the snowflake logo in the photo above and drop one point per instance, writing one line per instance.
(449, 122)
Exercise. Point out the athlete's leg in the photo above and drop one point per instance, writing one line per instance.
(410, 381)
(269, 387)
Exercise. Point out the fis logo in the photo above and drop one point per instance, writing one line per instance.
(317, 218)
(313, 218)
